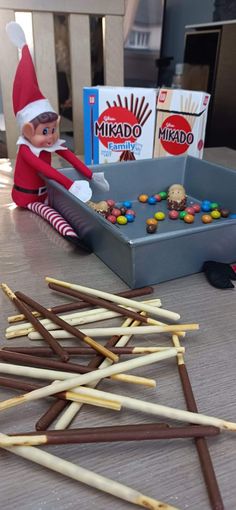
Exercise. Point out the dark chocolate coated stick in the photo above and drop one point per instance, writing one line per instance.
(54, 410)
(200, 442)
(139, 432)
(103, 303)
(72, 351)
(127, 293)
(79, 305)
(36, 361)
(23, 308)
(64, 325)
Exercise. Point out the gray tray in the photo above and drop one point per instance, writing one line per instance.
(176, 249)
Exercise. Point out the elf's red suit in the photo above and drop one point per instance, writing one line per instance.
(28, 169)
(38, 124)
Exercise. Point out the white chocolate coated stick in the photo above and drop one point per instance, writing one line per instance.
(52, 375)
(70, 412)
(77, 318)
(158, 409)
(160, 312)
(66, 418)
(141, 330)
(83, 475)
(95, 375)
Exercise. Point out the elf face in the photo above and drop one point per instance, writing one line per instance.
(44, 135)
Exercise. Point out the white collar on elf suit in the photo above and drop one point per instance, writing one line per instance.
(36, 150)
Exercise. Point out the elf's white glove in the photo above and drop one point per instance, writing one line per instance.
(81, 190)
(99, 180)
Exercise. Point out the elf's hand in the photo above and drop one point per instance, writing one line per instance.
(81, 190)
(99, 180)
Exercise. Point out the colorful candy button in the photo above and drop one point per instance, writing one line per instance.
(215, 214)
(131, 211)
(152, 200)
(173, 215)
(163, 195)
(110, 202)
(189, 218)
(206, 205)
(130, 217)
(206, 218)
(151, 221)
(190, 210)
(214, 205)
(182, 214)
(196, 207)
(159, 216)
(127, 204)
(122, 220)
(143, 198)
(111, 218)
(224, 212)
(151, 229)
(115, 212)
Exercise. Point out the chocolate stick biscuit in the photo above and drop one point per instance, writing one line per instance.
(72, 368)
(200, 442)
(78, 305)
(64, 325)
(103, 303)
(84, 351)
(23, 308)
(54, 411)
(143, 432)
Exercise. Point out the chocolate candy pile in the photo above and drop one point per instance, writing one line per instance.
(112, 212)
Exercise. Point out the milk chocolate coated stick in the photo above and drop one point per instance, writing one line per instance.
(22, 307)
(64, 325)
(200, 442)
(79, 305)
(143, 432)
(56, 408)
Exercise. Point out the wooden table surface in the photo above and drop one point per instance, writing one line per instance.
(166, 470)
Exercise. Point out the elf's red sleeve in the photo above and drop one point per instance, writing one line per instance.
(75, 162)
(38, 165)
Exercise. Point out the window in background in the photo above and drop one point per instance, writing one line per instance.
(143, 36)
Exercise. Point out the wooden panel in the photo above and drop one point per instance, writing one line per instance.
(44, 53)
(80, 72)
(8, 54)
(113, 51)
(70, 6)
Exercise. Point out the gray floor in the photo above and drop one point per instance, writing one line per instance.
(165, 470)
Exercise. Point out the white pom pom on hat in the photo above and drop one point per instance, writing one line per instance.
(16, 34)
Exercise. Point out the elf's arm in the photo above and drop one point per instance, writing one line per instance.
(79, 189)
(97, 177)
(75, 162)
(44, 168)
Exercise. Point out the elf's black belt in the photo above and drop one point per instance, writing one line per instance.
(39, 191)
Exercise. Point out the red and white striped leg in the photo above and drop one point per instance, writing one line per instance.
(57, 221)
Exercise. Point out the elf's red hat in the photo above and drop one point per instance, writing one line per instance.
(28, 100)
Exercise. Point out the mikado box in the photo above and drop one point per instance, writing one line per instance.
(181, 122)
(176, 248)
(119, 123)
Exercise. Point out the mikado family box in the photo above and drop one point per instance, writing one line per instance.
(119, 123)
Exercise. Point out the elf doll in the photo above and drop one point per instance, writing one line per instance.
(39, 138)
